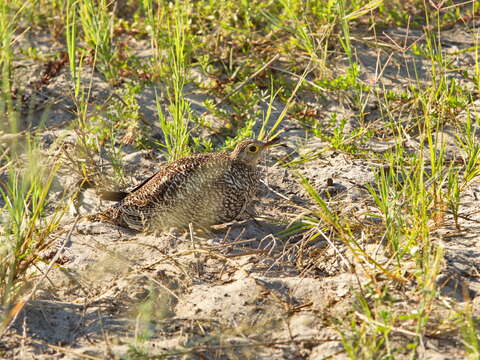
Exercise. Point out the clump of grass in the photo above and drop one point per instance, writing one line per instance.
(97, 24)
(25, 227)
(469, 332)
(175, 124)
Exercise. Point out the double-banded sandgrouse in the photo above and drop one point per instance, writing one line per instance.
(202, 190)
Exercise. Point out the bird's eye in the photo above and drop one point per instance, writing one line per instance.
(253, 148)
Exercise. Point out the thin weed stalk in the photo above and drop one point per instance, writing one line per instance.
(8, 21)
(81, 95)
(272, 132)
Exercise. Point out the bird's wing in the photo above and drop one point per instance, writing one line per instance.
(144, 182)
(165, 181)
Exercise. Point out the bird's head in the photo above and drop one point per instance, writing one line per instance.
(249, 151)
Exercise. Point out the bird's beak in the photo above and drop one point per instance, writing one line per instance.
(271, 142)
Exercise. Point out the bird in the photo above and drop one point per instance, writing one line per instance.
(201, 190)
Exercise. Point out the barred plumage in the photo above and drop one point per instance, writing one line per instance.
(204, 190)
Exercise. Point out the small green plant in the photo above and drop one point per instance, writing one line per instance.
(453, 195)
(469, 332)
(467, 140)
(97, 24)
(367, 331)
(81, 95)
(8, 20)
(175, 124)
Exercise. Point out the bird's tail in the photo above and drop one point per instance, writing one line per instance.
(107, 216)
(112, 215)
(113, 195)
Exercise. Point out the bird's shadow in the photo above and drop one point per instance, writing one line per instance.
(247, 234)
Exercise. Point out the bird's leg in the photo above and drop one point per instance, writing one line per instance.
(251, 213)
(198, 265)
